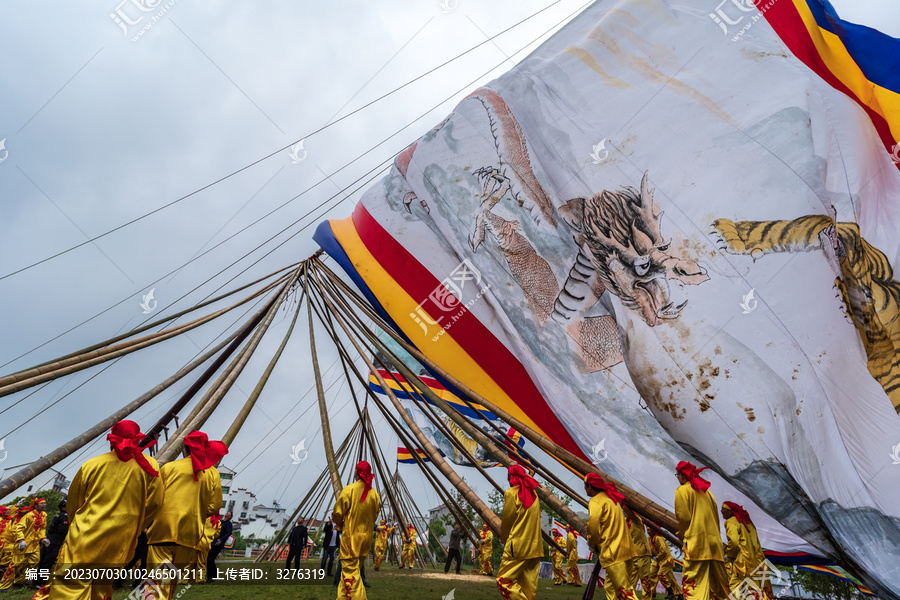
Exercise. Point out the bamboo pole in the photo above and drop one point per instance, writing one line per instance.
(32, 377)
(323, 410)
(471, 497)
(24, 475)
(254, 395)
(177, 315)
(235, 342)
(223, 384)
(637, 501)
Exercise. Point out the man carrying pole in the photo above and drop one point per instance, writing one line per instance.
(704, 576)
(662, 569)
(485, 550)
(641, 554)
(354, 514)
(193, 493)
(112, 498)
(409, 546)
(520, 531)
(609, 537)
(572, 558)
(381, 535)
(556, 556)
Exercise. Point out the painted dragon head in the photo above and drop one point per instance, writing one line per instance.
(620, 230)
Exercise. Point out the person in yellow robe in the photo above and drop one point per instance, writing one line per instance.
(193, 493)
(210, 532)
(572, 558)
(737, 550)
(409, 547)
(354, 515)
(663, 565)
(486, 550)
(641, 554)
(520, 532)
(556, 557)
(381, 535)
(7, 535)
(112, 498)
(704, 576)
(29, 533)
(751, 552)
(609, 537)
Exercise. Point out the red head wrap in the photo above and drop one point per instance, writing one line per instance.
(526, 483)
(595, 481)
(693, 475)
(204, 453)
(125, 439)
(570, 528)
(739, 513)
(364, 472)
(215, 519)
(556, 533)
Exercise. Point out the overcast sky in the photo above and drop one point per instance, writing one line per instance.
(108, 114)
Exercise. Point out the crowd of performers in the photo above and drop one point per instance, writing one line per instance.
(116, 500)
(123, 499)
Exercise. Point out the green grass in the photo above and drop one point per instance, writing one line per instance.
(389, 583)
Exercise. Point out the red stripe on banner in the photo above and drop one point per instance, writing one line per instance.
(477, 340)
(789, 25)
(432, 383)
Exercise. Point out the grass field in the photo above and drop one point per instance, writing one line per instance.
(389, 584)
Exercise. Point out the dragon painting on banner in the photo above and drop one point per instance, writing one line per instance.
(608, 299)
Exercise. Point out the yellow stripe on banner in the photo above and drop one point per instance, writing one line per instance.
(445, 351)
(830, 47)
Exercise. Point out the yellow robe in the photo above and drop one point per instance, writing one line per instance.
(109, 503)
(556, 557)
(187, 504)
(5, 546)
(31, 529)
(704, 575)
(354, 518)
(572, 560)
(520, 531)
(758, 568)
(642, 553)
(737, 551)
(381, 534)
(485, 551)
(663, 564)
(609, 536)
(409, 549)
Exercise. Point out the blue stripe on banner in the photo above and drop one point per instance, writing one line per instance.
(324, 236)
(462, 408)
(876, 54)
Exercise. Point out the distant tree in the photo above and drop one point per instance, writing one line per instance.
(825, 587)
(436, 527)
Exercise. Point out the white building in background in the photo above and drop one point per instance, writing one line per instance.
(250, 516)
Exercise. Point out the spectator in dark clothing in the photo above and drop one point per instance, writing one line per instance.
(330, 542)
(453, 549)
(217, 545)
(56, 533)
(297, 542)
